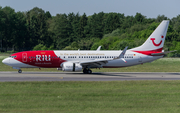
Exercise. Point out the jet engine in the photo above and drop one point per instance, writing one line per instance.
(69, 66)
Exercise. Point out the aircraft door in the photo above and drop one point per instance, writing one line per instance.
(24, 57)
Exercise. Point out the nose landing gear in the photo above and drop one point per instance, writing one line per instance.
(19, 69)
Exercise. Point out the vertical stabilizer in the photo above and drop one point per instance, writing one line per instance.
(155, 42)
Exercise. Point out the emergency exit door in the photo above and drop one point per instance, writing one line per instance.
(24, 57)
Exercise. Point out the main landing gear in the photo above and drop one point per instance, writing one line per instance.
(87, 71)
(19, 71)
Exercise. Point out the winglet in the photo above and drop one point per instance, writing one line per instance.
(98, 49)
(122, 54)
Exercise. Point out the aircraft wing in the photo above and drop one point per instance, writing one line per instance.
(100, 62)
(95, 63)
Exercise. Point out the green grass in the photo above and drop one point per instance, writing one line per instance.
(160, 65)
(91, 97)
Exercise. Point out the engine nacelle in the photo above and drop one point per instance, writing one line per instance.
(69, 66)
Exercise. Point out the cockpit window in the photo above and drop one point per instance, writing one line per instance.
(12, 56)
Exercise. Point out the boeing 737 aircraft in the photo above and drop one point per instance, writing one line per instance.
(151, 50)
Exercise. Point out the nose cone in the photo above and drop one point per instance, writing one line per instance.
(12, 62)
(6, 61)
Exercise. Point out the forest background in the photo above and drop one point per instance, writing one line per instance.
(39, 30)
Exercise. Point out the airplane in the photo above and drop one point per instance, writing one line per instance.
(83, 60)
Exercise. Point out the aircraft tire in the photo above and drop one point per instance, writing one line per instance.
(20, 71)
(89, 71)
(85, 71)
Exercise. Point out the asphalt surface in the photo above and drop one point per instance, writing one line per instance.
(79, 76)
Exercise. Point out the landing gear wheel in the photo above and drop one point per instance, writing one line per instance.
(19, 71)
(87, 71)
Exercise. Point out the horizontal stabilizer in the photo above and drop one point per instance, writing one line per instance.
(162, 53)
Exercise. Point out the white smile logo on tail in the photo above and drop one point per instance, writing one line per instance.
(158, 43)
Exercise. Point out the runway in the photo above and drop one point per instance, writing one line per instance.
(79, 76)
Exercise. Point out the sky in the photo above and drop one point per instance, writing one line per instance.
(148, 8)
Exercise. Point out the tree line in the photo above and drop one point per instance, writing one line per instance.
(39, 30)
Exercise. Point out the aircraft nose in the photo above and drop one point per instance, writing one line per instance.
(5, 61)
